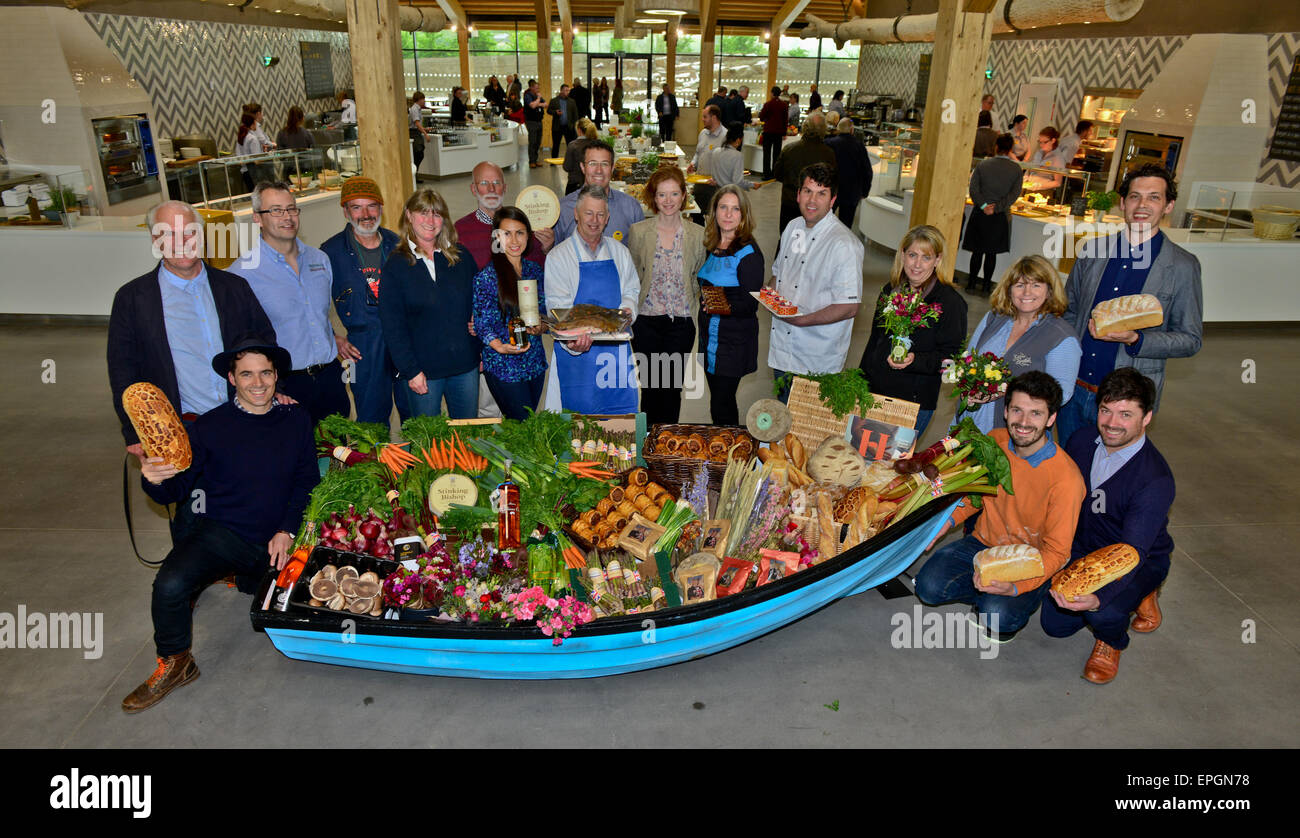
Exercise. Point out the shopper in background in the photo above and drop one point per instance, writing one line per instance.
(429, 282)
(814, 98)
(1024, 315)
(573, 154)
(514, 86)
(617, 100)
(666, 108)
(668, 254)
(746, 114)
(854, 167)
(794, 115)
(458, 109)
(600, 101)
(994, 186)
(564, 116)
(515, 372)
(293, 135)
(415, 122)
(809, 149)
(920, 265)
(534, 111)
(735, 109)
(357, 256)
(775, 116)
(581, 98)
(720, 99)
(495, 93)
(837, 104)
(729, 326)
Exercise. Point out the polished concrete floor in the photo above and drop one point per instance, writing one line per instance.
(1221, 672)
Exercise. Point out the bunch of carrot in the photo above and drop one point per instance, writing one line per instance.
(587, 468)
(397, 458)
(452, 453)
(573, 557)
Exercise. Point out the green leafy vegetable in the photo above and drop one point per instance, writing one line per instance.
(844, 393)
(361, 436)
(985, 451)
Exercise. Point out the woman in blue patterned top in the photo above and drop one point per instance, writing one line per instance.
(515, 374)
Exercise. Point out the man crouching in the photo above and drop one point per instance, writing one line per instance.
(258, 463)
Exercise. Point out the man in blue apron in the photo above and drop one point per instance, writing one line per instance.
(592, 268)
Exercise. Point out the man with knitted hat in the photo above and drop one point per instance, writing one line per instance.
(357, 256)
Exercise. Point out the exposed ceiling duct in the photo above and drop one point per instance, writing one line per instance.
(412, 18)
(1007, 15)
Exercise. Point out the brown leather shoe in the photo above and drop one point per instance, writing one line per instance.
(173, 671)
(1148, 614)
(1102, 665)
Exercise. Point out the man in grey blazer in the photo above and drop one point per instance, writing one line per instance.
(1140, 260)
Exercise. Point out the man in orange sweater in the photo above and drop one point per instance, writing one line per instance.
(1044, 510)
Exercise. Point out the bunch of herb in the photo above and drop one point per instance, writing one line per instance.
(844, 393)
(364, 437)
(544, 437)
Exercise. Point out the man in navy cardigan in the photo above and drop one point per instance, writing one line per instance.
(1130, 491)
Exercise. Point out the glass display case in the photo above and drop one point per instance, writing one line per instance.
(1213, 211)
(124, 145)
(901, 156)
(61, 195)
(226, 183)
(1051, 191)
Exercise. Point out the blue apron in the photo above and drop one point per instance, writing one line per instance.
(603, 379)
(719, 271)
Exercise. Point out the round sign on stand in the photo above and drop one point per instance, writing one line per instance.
(449, 489)
(540, 205)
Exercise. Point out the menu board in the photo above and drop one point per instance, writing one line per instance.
(1286, 134)
(922, 80)
(317, 69)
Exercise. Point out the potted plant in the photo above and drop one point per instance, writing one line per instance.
(1101, 202)
(63, 206)
(636, 130)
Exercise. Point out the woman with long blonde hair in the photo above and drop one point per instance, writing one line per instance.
(922, 265)
(425, 308)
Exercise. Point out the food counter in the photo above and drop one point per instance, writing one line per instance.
(753, 147)
(454, 151)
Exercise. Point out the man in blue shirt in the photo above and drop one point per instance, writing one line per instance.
(624, 210)
(293, 282)
(1140, 260)
(166, 325)
(1130, 490)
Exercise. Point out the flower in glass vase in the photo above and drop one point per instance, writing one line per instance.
(902, 314)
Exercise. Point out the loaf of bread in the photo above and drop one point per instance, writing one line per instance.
(1095, 570)
(1122, 314)
(156, 423)
(1008, 563)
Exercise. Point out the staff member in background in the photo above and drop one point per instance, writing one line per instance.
(1020, 138)
(475, 230)
(624, 210)
(854, 166)
(1139, 260)
(534, 110)
(415, 118)
(808, 150)
(591, 267)
(711, 138)
(429, 280)
(357, 255)
(259, 116)
(1124, 467)
(166, 325)
(573, 154)
(458, 109)
(617, 100)
(726, 167)
(666, 107)
(729, 327)
(246, 142)
(814, 98)
(985, 136)
(1024, 315)
(668, 254)
(837, 104)
(514, 373)
(994, 186)
(1070, 145)
(564, 115)
(775, 116)
(293, 281)
(293, 135)
(348, 112)
(822, 275)
(257, 463)
(720, 99)
(495, 93)
(919, 266)
(1048, 156)
(514, 87)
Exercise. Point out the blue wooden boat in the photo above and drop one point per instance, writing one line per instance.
(606, 647)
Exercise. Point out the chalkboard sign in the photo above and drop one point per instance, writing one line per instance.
(317, 69)
(1286, 134)
(922, 80)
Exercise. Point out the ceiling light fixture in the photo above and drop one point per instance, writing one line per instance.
(675, 8)
(651, 21)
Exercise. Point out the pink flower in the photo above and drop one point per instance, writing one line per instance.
(460, 590)
(552, 603)
(546, 629)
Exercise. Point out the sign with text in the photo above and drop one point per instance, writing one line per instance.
(317, 69)
(877, 440)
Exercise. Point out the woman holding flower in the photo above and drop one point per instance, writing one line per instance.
(922, 282)
(1025, 329)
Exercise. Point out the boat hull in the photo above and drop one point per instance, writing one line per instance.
(607, 647)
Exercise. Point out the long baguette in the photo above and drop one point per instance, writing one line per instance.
(161, 431)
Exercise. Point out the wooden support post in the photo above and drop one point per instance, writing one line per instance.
(462, 39)
(670, 68)
(566, 37)
(773, 48)
(708, 31)
(376, 45)
(952, 103)
(543, 10)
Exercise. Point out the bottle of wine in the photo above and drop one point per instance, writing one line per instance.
(528, 310)
(508, 535)
(407, 543)
(278, 596)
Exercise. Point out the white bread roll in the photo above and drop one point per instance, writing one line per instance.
(1095, 570)
(1008, 563)
(1122, 314)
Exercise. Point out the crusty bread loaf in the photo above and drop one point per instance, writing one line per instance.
(1095, 570)
(1133, 312)
(156, 423)
(1008, 563)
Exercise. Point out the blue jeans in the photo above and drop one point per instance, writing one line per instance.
(515, 397)
(461, 392)
(208, 553)
(949, 577)
(1079, 412)
(1108, 624)
(376, 386)
(923, 418)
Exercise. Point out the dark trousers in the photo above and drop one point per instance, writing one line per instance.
(602, 114)
(990, 261)
(1109, 624)
(723, 409)
(210, 552)
(949, 576)
(534, 140)
(516, 397)
(771, 150)
(666, 124)
(321, 392)
(846, 207)
(664, 345)
(375, 385)
(558, 131)
(417, 146)
(704, 193)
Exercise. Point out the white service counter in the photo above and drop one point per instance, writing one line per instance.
(753, 147)
(443, 160)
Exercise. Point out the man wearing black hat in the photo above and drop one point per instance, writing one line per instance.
(257, 460)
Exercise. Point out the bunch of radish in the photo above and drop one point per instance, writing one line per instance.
(357, 533)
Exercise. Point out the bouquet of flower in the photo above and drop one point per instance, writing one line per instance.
(557, 618)
(975, 375)
(902, 314)
(423, 587)
(482, 578)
